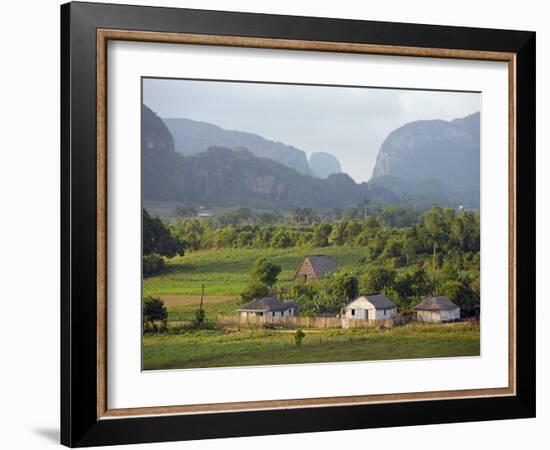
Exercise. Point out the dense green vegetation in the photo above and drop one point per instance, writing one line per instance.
(404, 253)
(217, 348)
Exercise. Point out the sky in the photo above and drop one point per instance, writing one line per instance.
(349, 122)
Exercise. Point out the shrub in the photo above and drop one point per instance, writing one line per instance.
(298, 337)
(152, 264)
(200, 316)
(255, 290)
(154, 311)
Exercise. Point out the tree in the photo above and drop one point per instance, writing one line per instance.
(353, 229)
(305, 216)
(265, 272)
(235, 216)
(321, 234)
(245, 239)
(152, 264)
(376, 279)
(341, 286)
(281, 239)
(412, 283)
(154, 311)
(435, 224)
(372, 222)
(338, 233)
(255, 290)
(461, 293)
(365, 203)
(158, 239)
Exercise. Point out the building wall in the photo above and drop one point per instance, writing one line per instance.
(450, 315)
(438, 316)
(305, 272)
(286, 313)
(370, 313)
(382, 314)
(428, 316)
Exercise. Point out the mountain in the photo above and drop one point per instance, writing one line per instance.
(192, 137)
(448, 151)
(225, 177)
(426, 191)
(160, 164)
(324, 164)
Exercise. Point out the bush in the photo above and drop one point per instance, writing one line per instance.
(152, 264)
(200, 316)
(154, 311)
(298, 337)
(255, 290)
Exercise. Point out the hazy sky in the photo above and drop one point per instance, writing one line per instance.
(350, 123)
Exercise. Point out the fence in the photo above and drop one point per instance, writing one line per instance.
(309, 322)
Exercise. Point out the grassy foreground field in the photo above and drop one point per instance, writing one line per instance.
(216, 348)
(225, 272)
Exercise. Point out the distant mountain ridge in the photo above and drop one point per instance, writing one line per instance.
(224, 177)
(192, 137)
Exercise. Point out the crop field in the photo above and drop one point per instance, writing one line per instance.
(225, 272)
(183, 307)
(217, 348)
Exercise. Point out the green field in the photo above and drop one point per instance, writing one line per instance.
(217, 348)
(183, 307)
(225, 272)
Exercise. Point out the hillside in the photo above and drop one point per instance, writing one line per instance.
(224, 177)
(192, 137)
(448, 151)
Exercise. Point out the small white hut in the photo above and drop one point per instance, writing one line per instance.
(436, 310)
(372, 307)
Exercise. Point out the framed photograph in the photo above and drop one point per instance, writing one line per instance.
(276, 224)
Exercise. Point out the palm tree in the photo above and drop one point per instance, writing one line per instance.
(365, 202)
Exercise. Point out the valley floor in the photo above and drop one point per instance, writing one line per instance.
(219, 348)
(225, 273)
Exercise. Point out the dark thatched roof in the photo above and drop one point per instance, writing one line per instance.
(268, 304)
(439, 303)
(321, 264)
(379, 301)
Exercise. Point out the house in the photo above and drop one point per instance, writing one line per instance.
(315, 267)
(372, 307)
(268, 307)
(437, 309)
(204, 213)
